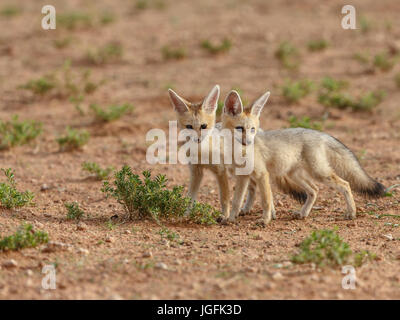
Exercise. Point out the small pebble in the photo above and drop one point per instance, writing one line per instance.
(10, 264)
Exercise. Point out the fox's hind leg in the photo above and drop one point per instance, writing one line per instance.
(311, 190)
(251, 196)
(344, 187)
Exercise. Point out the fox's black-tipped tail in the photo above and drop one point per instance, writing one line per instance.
(291, 189)
(373, 190)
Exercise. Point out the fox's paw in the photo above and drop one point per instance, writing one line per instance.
(262, 222)
(350, 215)
(273, 214)
(298, 215)
(244, 211)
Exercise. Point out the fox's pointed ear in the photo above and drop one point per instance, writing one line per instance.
(178, 102)
(211, 101)
(258, 105)
(233, 104)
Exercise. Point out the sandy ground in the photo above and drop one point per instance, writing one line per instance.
(238, 261)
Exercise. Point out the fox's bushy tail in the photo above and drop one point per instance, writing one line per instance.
(347, 166)
(294, 191)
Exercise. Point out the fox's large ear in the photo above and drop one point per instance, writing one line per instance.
(178, 103)
(233, 104)
(258, 105)
(211, 101)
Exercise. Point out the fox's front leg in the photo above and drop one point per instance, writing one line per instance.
(224, 194)
(242, 183)
(196, 175)
(266, 197)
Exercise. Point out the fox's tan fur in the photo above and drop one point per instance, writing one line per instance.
(197, 114)
(296, 159)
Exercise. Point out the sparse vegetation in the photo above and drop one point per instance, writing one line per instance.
(113, 112)
(40, 86)
(111, 52)
(95, 169)
(333, 85)
(10, 197)
(304, 122)
(151, 198)
(73, 139)
(397, 80)
(384, 62)
(169, 53)
(25, 237)
(73, 211)
(365, 24)
(107, 18)
(288, 54)
(62, 42)
(212, 48)
(74, 20)
(10, 11)
(317, 45)
(16, 132)
(293, 91)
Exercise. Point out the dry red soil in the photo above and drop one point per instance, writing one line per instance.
(239, 261)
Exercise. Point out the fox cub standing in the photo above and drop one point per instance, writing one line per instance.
(201, 118)
(295, 158)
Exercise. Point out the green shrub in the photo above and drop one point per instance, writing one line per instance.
(331, 84)
(113, 112)
(151, 198)
(368, 101)
(173, 53)
(15, 132)
(323, 247)
(304, 122)
(96, 170)
(317, 45)
(40, 86)
(25, 237)
(73, 139)
(111, 52)
(10, 197)
(383, 62)
(288, 55)
(73, 211)
(224, 46)
(293, 91)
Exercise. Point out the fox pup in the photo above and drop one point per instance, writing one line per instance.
(296, 159)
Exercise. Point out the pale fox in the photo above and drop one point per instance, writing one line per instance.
(296, 159)
(200, 117)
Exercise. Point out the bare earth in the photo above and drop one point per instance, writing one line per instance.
(239, 261)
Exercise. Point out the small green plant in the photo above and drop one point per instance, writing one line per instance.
(304, 122)
(10, 11)
(173, 53)
(113, 112)
(94, 169)
(10, 197)
(151, 198)
(62, 42)
(74, 20)
(332, 85)
(383, 62)
(365, 24)
(224, 46)
(146, 4)
(293, 91)
(111, 52)
(288, 54)
(324, 248)
(317, 45)
(107, 18)
(368, 101)
(170, 235)
(15, 132)
(363, 256)
(41, 85)
(25, 237)
(73, 211)
(362, 58)
(73, 139)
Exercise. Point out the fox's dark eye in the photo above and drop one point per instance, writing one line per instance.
(189, 126)
(239, 128)
(203, 126)
(253, 130)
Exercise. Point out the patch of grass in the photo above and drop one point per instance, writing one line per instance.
(170, 53)
(212, 48)
(113, 112)
(147, 4)
(384, 62)
(368, 101)
(40, 86)
(170, 235)
(304, 122)
(362, 257)
(331, 84)
(324, 248)
(62, 42)
(74, 20)
(95, 169)
(10, 11)
(397, 80)
(107, 18)
(111, 52)
(365, 24)
(293, 91)
(317, 45)
(151, 198)
(25, 237)
(10, 197)
(362, 58)
(15, 132)
(288, 54)
(73, 211)
(73, 139)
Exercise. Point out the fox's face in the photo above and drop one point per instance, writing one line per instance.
(198, 117)
(243, 123)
